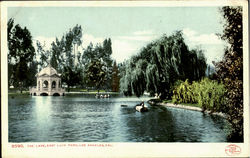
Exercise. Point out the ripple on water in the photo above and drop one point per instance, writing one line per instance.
(87, 119)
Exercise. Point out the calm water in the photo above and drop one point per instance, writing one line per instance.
(87, 119)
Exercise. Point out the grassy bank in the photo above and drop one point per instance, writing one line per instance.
(170, 102)
(24, 93)
(188, 106)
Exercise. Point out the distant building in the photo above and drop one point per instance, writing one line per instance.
(48, 83)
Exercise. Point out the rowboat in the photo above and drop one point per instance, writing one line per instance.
(139, 108)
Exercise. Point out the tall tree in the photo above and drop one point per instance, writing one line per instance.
(95, 74)
(107, 52)
(20, 55)
(32, 71)
(77, 41)
(125, 80)
(160, 64)
(115, 78)
(64, 56)
(100, 52)
(57, 54)
(71, 76)
(230, 69)
(138, 78)
(88, 54)
(43, 54)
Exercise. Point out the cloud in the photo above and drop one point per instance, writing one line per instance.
(214, 53)
(87, 38)
(45, 41)
(188, 32)
(128, 45)
(123, 49)
(212, 45)
(200, 39)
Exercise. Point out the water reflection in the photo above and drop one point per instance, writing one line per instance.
(87, 119)
(42, 121)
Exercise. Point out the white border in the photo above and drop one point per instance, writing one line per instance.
(123, 149)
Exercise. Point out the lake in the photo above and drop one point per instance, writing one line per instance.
(83, 118)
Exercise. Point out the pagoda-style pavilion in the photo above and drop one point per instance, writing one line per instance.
(48, 83)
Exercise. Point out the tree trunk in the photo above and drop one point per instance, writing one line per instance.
(68, 88)
(21, 87)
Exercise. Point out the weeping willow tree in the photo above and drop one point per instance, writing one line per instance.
(138, 78)
(125, 80)
(160, 64)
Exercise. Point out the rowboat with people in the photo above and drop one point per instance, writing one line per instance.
(141, 107)
(102, 95)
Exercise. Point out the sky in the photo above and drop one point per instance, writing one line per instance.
(130, 28)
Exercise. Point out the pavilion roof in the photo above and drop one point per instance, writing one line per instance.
(48, 71)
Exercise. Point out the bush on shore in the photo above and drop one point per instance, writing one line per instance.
(209, 94)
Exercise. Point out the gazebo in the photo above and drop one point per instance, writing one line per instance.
(48, 83)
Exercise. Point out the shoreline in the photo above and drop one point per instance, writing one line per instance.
(92, 92)
(27, 93)
(181, 106)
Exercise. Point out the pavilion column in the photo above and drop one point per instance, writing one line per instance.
(57, 84)
(37, 84)
(49, 85)
(60, 83)
(41, 85)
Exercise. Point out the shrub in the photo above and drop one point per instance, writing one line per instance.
(209, 94)
(183, 93)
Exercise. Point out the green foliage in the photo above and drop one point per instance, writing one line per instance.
(102, 53)
(43, 54)
(165, 61)
(184, 93)
(64, 56)
(115, 78)
(125, 81)
(21, 67)
(58, 55)
(138, 79)
(71, 77)
(95, 74)
(230, 69)
(209, 94)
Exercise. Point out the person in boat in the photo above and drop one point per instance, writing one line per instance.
(141, 107)
(142, 104)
